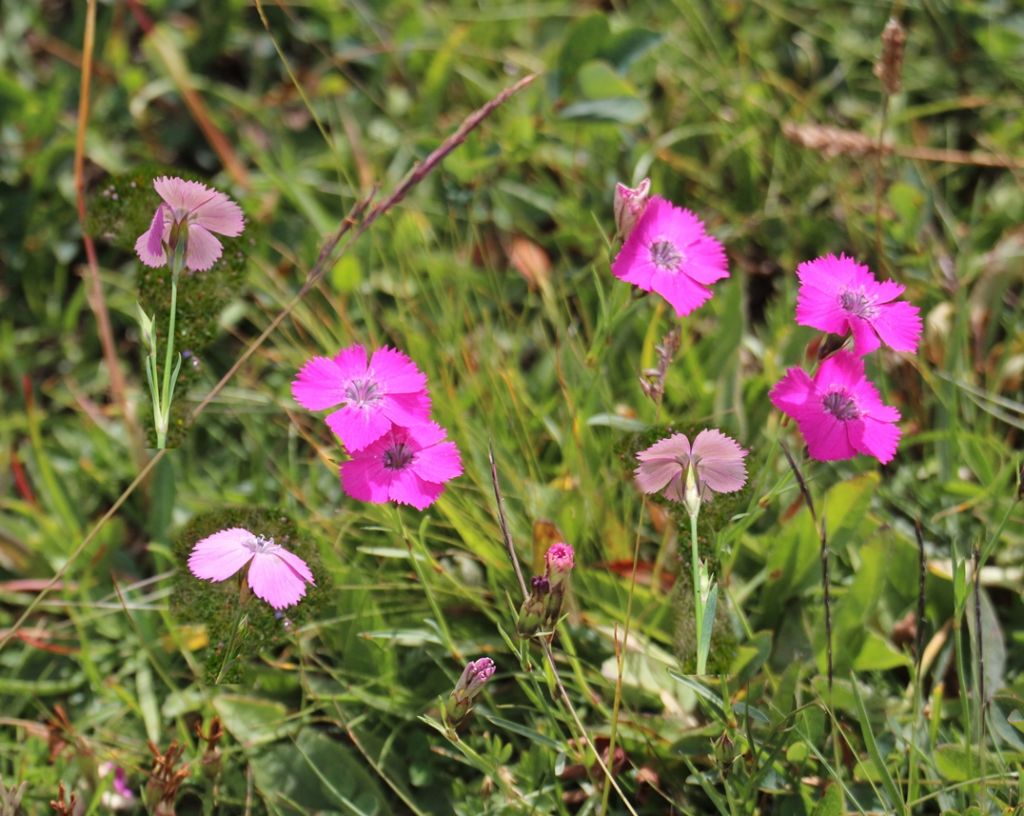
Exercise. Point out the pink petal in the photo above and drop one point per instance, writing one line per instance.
(843, 369)
(149, 246)
(298, 566)
(424, 434)
(869, 401)
(792, 392)
(875, 438)
(437, 463)
(275, 581)
(365, 478)
(219, 214)
(351, 362)
(865, 339)
(817, 301)
(358, 427)
(706, 261)
(652, 476)
(675, 488)
(319, 385)
(221, 555)
(826, 436)
(680, 291)
(408, 488)
(719, 461)
(182, 196)
(396, 372)
(899, 325)
(633, 264)
(676, 446)
(203, 249)
(884, 291)
(406, 409)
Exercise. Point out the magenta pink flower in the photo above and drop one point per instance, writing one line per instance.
(406, 465)
(669, 252)
(388, 390)
(839, 294)
(189, 209)
(839, 412)
(277, 576)
(716, 458)
(560, 559)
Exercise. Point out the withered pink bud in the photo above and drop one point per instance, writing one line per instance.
(630, 205)
(560, 560)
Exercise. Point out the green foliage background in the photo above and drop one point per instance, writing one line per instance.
(494, 276)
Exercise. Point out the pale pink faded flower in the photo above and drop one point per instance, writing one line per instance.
(839, 295)
(406, 465)
(190, 212)
(839, 412)
(717, 461)
(629, 205)
(388, 390)
(670, 252)
(276, 575)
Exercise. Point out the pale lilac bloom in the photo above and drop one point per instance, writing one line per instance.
(839, 295)
(839, 411)
(192, 209)
(560, 560)
(389, 389)
(406, 465)
(276, 575)
(629, 205)
(669, 252)
(717, 462)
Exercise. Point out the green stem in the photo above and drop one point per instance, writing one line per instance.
(165, 398)
(698, 608)
(243, 596)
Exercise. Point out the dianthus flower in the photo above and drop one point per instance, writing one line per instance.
(839, 295)
(276, 575)
(669, 252)
(190, 212)
(839, 412)
(388, 390)
(406, 465)
(559, 560)
(717, 461)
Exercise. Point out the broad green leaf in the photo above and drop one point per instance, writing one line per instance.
(878, 654)
(253, 721)
(622, 110)
(598, 80)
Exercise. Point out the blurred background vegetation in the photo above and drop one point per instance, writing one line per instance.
(494, 276)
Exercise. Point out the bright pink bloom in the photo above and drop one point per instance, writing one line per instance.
(839, 412)
(839, 294)
(388, 390)
(560, 559)
(276, 575)
(406, 465)
(669, 252)
(195, 208)
(716, 458)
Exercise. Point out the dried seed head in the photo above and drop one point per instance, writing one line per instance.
(831, 141)
(889, 68)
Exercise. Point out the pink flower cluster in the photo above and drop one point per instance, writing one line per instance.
(839, 411)
(666, 249)
(382, 417)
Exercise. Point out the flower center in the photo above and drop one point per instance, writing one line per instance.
(363, 393)
(262, 545)
(841, 405)
(398, 456)
(665, 255)
(857, 302)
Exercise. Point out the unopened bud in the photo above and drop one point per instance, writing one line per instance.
(630, 205)
(531, 613)
(474, 676)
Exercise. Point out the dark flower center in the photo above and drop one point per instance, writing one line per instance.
(858, 303)
(665, 255)
(363, 393)
(841, 405)
(398, 456)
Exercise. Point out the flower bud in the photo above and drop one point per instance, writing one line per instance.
(630, 205)
(560, 560)
(531, 613)
(474, 676)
